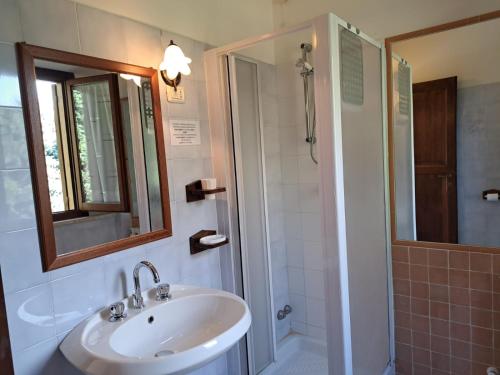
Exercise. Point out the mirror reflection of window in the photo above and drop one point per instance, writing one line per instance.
(100, 155)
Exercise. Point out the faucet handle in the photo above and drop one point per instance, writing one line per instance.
(163, 292)
(117, 312)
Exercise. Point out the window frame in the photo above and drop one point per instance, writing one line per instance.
(123, 204)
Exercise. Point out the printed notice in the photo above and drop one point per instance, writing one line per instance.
(184, 132)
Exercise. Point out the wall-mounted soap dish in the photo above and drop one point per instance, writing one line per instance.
(205, 240)
(195, 191)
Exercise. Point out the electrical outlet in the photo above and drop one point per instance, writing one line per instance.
(174, 96)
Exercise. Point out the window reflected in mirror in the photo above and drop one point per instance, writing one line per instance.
(446, 136)
(100, 154)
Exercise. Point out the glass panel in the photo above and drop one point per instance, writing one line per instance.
(93, 117)
(46, 91)
(363, 167)
(454, 194)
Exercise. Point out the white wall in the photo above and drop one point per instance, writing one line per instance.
(381, 18)
(215, 22)
(471, 53)
(43, 307)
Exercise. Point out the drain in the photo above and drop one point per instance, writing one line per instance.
(151, 319)
(164, 353)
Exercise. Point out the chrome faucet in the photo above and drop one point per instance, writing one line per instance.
(137, 299)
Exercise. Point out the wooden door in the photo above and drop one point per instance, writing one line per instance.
(434, 121)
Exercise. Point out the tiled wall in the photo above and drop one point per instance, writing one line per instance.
(478, 152)
(300, 183)
(447, 311)
(43, 307)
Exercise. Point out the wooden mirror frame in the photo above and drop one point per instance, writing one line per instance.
(390, 122)
(26, 55)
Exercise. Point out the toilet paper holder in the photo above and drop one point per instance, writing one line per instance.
(491, 195)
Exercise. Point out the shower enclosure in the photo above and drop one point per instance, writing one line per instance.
(298, 139)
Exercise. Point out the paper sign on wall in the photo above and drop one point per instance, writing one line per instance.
(185, 132)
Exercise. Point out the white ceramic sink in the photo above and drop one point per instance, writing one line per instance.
(174, 337)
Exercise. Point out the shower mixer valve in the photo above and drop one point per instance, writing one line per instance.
(283, 313)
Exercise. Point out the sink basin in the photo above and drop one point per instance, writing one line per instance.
(172, 337)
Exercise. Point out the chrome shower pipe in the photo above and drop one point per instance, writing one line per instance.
(307, 72)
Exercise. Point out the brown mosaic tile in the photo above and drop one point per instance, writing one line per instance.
(460, 331)
(496, 320)
(421, 370)
(421, 340)
(481, 281)
(481, 299)
(496, 264)
(402, 287)
(440, 344)
(438, 275)
(460, 349)
(481, 262)
(496, 301)
(460, 366)
(478, 368)
(481, 354)
(421, 356)
(459, 278)
(496, 283)
(459, 260)
(482, 336)
(418, 256)
(460, 313)
(400, 270)
(400, 254)
(402, 319)
(419, 273)
(402, 303)
(440, 327)
(420, 306)
(419, 290)
(420, 323)
(403, 335)
(440, 310)
(440, 362)
(459, 296)
(438, 258)
(439, 293)
(481, 318)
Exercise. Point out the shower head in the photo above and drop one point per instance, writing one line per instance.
(304, 65)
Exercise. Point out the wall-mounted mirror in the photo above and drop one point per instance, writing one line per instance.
(444, 111)
(96, 154)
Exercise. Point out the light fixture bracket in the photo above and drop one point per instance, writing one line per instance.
(170, 82)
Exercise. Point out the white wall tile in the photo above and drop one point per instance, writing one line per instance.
(20, 260)
(315, 286)
(290, 171)
(296, 281)
(298, 303)
(309, 197)
(313, 255)
(78, 296)
(13, 150)
(30, 315)
(101, 34)
(293, 227)
(142, 44)
(9, 94)
(50, 23)
(16, 200)
(295, 253)
(315, 312)
(311, 226)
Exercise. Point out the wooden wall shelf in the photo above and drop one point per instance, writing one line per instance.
(197, 247)
(195, 191)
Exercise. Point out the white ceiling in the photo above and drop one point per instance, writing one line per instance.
(218, 22)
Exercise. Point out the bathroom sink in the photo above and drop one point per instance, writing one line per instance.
(172, 337)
